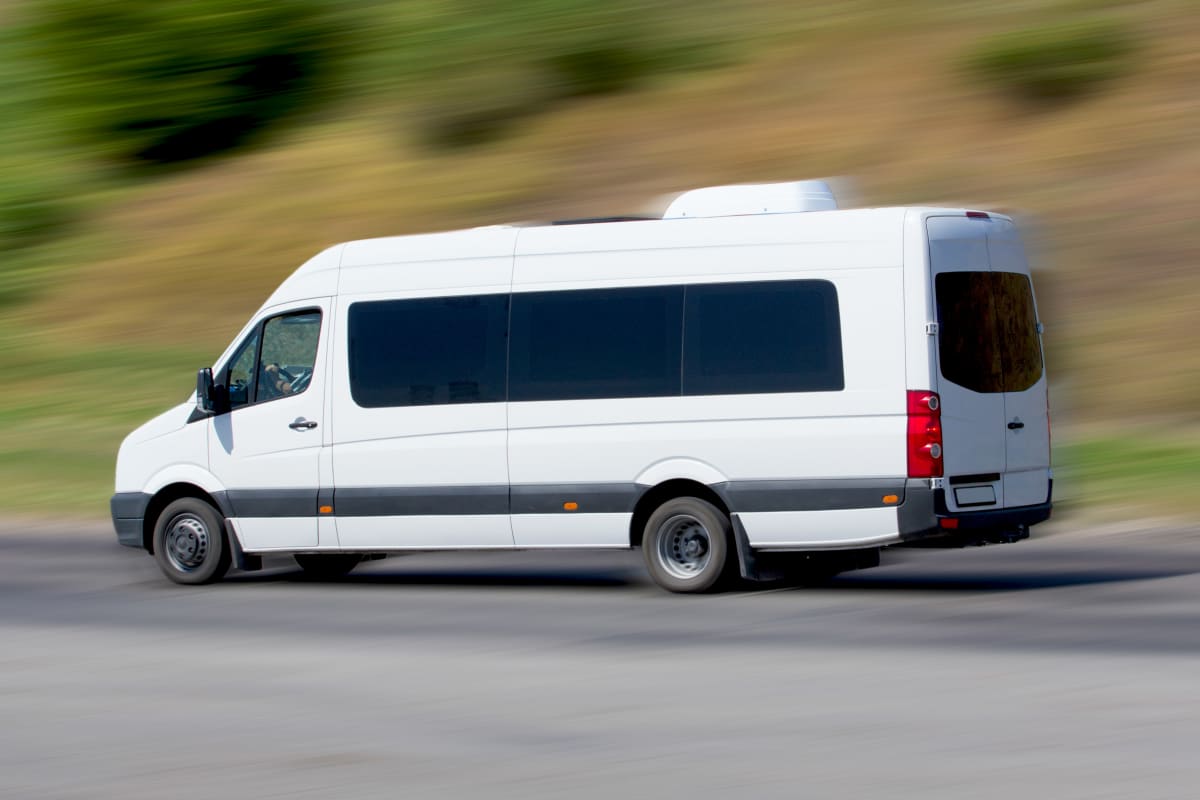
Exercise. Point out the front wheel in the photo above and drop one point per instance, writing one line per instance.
(686, 545)
(189, 543)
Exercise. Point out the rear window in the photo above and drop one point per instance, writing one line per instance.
(987, 331)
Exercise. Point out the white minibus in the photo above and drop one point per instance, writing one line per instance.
(756, 378)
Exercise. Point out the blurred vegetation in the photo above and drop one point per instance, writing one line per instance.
(478, 68)
(164, 165)
(164, 82)
(32, 212)
(1057, 60)
(1154, 471)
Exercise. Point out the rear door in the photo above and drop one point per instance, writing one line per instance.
(1027, 428)
(970, 375)
(991, 376)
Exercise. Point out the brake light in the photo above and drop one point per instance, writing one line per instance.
(924, 435)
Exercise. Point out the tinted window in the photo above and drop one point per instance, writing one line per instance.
(428, 351)
(596, 343)
(987, 331)
(1020, 350)
(778, 336)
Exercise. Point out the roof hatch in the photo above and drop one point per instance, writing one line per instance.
(753, 198)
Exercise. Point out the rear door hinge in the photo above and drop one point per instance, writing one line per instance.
(931, 328)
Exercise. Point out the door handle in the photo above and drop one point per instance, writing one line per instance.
(1012, 426)
(302, 425)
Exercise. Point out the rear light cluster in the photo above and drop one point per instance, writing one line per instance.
(924, 435)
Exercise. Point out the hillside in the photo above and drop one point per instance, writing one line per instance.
(160, 274)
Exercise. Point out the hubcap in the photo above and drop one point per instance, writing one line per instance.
(684, 547)
(186, 542)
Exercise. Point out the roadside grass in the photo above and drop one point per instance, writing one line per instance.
(64, 412)
(1151, 472)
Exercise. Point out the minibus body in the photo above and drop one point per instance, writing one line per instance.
(755, 379)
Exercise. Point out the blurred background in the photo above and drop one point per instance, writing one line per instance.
(164, 165)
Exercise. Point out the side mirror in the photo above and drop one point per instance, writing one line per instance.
(206, 401)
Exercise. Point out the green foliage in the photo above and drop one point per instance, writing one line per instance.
(1057, 61)
(167, 81)
(477, 68)
(32, 212)
(1153, 469)
(60, 440)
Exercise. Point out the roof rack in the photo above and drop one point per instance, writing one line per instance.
(591, 220)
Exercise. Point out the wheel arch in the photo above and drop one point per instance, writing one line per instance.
(169, 494)
(660, 493)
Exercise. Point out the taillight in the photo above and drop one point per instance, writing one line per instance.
(924, 435)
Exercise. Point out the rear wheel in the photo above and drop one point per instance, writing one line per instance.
(189, 542)
(686, 545)
(327, 565)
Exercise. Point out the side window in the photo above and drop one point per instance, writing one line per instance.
(774, 336)
(240, 375)
(428, 351)
(289, 354)
(595, 343)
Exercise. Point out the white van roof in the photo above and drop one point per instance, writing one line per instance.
(799, 212)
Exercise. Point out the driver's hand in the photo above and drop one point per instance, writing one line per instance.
(281, 385)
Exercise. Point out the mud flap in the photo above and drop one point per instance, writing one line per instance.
(748, 562)
(242, 560)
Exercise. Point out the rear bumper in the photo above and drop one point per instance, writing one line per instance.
(129, 516)
(924, 509)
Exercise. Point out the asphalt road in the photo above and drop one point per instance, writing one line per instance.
(1067, 666)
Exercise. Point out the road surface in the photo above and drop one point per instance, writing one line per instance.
(1067, 666)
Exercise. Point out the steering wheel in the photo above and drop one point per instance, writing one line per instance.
(301, 383)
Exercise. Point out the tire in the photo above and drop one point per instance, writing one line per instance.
(686, 545)
(327, 566)
(189, 542)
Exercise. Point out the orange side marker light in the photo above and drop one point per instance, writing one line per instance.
(326, 509)
(890, 499)
(570, 506)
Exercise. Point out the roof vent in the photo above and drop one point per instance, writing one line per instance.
(753, 198)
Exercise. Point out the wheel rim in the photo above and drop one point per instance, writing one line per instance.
(684, 546)
(186, 543)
